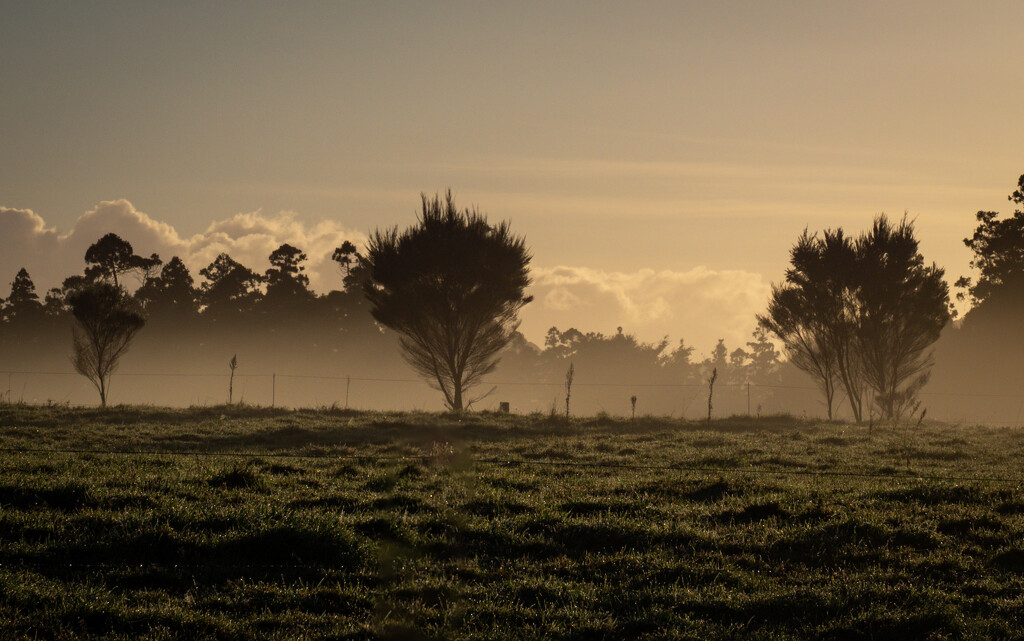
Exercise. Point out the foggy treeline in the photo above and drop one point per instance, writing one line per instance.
(297, 348)
(274, 324)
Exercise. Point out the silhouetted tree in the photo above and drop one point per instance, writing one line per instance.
(810, 313)
(147, 267)
(287, 283)
(902, 306)
(679, 365)
(861, 314)
(613, 359)
(23, 303)
(230, 288)
(111, 256)
(346, 256)
(717, 361)
(764, 360)
(562, 345)
(106, 322)
(171, 294)
(998, 247)
(452, 286)
(54, 304)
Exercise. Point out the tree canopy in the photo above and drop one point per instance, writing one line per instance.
(998, 248)
(171, 294)
(111, 256)
(230, 287)
(287, 282)
(23, 303)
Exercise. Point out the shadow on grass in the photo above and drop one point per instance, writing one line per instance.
(67, 497)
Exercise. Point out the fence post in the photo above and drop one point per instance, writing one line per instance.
(273, 389)
(348, 384)
(748, 398)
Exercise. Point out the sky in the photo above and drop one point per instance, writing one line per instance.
(659, 158)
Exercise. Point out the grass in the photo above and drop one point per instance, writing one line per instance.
(347, 525)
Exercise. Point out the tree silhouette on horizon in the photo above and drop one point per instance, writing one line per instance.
(452, 286)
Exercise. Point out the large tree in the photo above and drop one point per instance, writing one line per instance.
(230, 288)
(860, 315)
(902, 306)
(452, 287)
(106, 322)
(287, 282)
(810, 312)
(111, 256)
(998, 247)
(23, 304)
(171, 295)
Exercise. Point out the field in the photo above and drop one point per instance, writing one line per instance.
(237, 523)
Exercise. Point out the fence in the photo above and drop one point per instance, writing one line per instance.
(380, 393)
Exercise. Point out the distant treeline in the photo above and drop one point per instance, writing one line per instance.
(273, 323)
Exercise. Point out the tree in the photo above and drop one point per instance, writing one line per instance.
(287, 283)
(452, 287)
(860, 314)
(346, 256)
(111, 256)
(171, 294)
(809, 314)
(998, 247)
(106, 322)
(54, 304)
(718, 360)
(764, 358)
(230, 288)
(23, 303)
(615, 358)
(902, 306)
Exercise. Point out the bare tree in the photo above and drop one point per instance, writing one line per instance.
(106, 322)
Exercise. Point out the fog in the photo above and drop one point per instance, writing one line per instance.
(332, 354)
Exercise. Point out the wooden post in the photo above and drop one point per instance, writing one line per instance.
(748, 398)
(348, 384)
(273, 389)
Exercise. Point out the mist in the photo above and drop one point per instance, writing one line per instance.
(330, 353)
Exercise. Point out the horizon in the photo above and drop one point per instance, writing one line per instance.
(660, 163)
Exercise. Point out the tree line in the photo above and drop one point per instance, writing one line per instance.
(859, 315)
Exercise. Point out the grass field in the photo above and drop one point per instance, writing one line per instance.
(236, 523)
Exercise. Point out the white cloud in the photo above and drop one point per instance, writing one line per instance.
(50, 256)
(699, 305)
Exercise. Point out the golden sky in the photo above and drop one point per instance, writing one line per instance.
(660, 158)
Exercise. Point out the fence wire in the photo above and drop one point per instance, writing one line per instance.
(390, 393)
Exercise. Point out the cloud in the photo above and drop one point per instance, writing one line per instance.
(699, 305)
(50, 256)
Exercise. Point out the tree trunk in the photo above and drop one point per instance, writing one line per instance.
(456, 395)
(830, 393)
